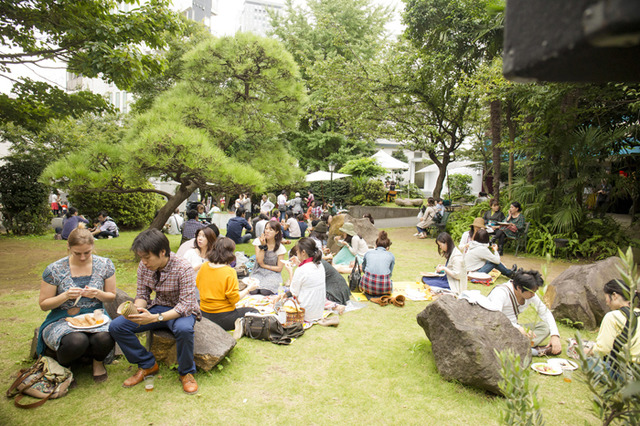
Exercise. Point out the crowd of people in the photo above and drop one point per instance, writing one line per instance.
(200, 280)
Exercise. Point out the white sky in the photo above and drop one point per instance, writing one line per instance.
(225, 23)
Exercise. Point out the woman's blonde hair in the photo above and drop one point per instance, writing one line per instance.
(79, 236)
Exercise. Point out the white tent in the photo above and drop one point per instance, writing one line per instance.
(388, 162)
(321, 175)
(451, 166)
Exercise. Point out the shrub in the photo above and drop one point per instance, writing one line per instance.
(459, 185)
(372, 193)
(129, 211)
(341, 189)
(25, 204)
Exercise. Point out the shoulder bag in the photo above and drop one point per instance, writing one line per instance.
(355, 276)
(46, 379)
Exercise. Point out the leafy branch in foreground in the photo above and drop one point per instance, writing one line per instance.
(523, 407)
(616, 389)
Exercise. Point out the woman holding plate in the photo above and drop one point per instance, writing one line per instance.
(77, 284)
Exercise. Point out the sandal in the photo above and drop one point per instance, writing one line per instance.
(398, 300)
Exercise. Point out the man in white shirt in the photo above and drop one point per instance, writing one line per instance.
(513, 298)
(266, 205)
(174, 224)
(282, 203)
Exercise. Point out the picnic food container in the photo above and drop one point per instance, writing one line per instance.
(127, 308)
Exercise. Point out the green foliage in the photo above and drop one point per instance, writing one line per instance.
(24, 200)
(459, 221)
(459, 185)
(400, 155)
(35, 103)
(368, 192)
(521, 399)
(95, 38)
(341, 191)
(363, 168)
(129, 211)
(616, 399)
(411, 190)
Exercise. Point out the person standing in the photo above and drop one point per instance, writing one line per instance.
(282, 203)
(266, 205)
(296, 204)
(310, 198)
(175, 308)
(602, 198)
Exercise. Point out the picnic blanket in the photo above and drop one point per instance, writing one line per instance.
(412, 290)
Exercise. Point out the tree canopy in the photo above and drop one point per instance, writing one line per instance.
(216, 129)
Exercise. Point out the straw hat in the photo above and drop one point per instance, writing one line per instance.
(478, 222)
(349, 229)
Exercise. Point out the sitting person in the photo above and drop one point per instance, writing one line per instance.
(72, 221)
(174, 223)
(426, 218)
(236, 225)
(188, 245)
(190, 227)
(479, 257)
(302, 224)
(260, 224)
(453, 274)
(74, 285)
(107, 227)
(513, 297)
(202, 245)
(482, 197)
(307, 284)
(493, 216)
(440, 206)
(174, 308)
(513, 229)
(291, 228)
(269, 259)
(202, 213)
(218, 286)
(614, 332)
(353, 247)
(377, 267)
(319, 235)
(467, 236)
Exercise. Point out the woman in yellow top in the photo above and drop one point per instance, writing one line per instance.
(218, 286)
(612, 335)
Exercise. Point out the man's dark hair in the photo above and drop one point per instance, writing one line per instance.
(103, 213)
(263, 216)
(192, 214)
(215, 229)
(527, 280)
(151, 241)
(239, 212)
(71, 211)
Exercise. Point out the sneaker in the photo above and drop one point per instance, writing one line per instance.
(238, 332)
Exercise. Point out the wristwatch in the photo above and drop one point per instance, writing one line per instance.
(160, 317)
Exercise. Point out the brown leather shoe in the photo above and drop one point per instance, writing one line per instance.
(189, 384)
(140, 375)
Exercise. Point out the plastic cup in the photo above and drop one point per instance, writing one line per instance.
(567, 375)
(148, 383)
(98, 315)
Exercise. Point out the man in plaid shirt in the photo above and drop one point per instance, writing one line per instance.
(316, 210)
(175, 307)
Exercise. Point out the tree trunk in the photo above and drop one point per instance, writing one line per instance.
(182, 193)
(496, 131)
(442, 172)
(512, 142)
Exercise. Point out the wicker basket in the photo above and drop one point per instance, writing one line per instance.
(295, 317)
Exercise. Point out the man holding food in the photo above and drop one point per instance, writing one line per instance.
(175, 307)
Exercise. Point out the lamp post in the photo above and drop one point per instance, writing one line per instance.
(332, 167)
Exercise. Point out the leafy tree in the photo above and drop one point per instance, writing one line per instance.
(24, 200)
(35, 103)
(459, 185)
(400, 155)
(96, 38)
(214, 130)
(363, 167)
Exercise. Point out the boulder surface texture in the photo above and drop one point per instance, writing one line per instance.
(463, 340)
(577, 294)
(409, 202)
(363, 227)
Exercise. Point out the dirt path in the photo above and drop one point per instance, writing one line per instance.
(22, 262)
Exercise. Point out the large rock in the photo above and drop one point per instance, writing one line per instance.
(409, 202)
(463, 339)
(211, 345)
(112, 307)
(577, 293)
(363, 227)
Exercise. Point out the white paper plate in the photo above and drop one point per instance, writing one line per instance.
(544, 368)
(250, 280)
(88, 327)
(479, 276)
(562, 363)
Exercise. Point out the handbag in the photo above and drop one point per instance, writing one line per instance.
(267, 327)
(45, 379)
(355, 277)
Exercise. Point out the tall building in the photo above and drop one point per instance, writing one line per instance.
(255, 18)
(199, 11)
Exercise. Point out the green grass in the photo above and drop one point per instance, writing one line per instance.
(376, 367)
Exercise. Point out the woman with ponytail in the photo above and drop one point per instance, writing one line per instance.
(307, 284)
(378, 266)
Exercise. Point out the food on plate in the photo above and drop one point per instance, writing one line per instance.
(83, 321)
(127, 308)
(544, 368)
(562, 363)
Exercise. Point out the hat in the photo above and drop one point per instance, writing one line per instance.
(297, 194)
(349, 229)
(478, 222)
(321, 227)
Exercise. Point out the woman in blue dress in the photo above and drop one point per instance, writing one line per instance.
(91, 281)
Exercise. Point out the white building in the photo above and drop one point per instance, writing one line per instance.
(255, 18)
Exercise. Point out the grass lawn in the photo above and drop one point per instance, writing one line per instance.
(375, 368)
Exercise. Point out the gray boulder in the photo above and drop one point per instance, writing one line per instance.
(463, 339)
(363, 227)
(211, 345)
(112, 307)
(409, 202)
(576, 294)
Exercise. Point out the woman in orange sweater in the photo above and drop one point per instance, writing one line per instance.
(218, 286)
